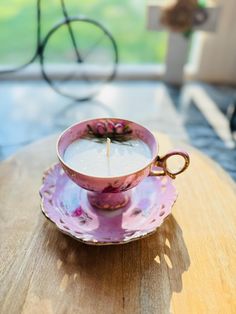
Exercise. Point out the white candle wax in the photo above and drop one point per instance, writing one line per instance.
(90, 158)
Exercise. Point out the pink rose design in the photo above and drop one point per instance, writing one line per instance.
(78, 212)
(101, 128)
(110, 127)
(119, 128)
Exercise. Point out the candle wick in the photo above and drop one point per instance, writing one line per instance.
(108, 147)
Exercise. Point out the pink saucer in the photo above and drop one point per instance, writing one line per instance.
(66, 205)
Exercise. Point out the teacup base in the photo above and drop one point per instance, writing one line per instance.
(109, 201)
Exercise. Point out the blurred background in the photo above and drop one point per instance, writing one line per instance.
(170, 65)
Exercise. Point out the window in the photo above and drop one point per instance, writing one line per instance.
(126, 20)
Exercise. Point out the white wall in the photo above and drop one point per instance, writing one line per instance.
(217, 62)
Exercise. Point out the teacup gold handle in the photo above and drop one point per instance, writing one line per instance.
(162, 162)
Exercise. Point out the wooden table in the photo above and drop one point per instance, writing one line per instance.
(187, 266)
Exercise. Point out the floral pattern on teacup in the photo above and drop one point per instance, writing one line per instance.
(116, 131)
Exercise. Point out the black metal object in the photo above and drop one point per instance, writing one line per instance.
(41, 44)
(231, 115)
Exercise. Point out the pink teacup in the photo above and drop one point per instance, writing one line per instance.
(113, 192)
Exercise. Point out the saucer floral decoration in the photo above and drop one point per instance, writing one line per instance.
(117, 132)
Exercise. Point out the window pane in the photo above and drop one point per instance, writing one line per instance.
(126, 20)
(17, 31)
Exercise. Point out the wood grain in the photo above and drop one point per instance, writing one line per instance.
(188, 266)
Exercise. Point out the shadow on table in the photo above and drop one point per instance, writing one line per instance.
(139, 276)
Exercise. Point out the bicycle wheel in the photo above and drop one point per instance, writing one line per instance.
(78, 72)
